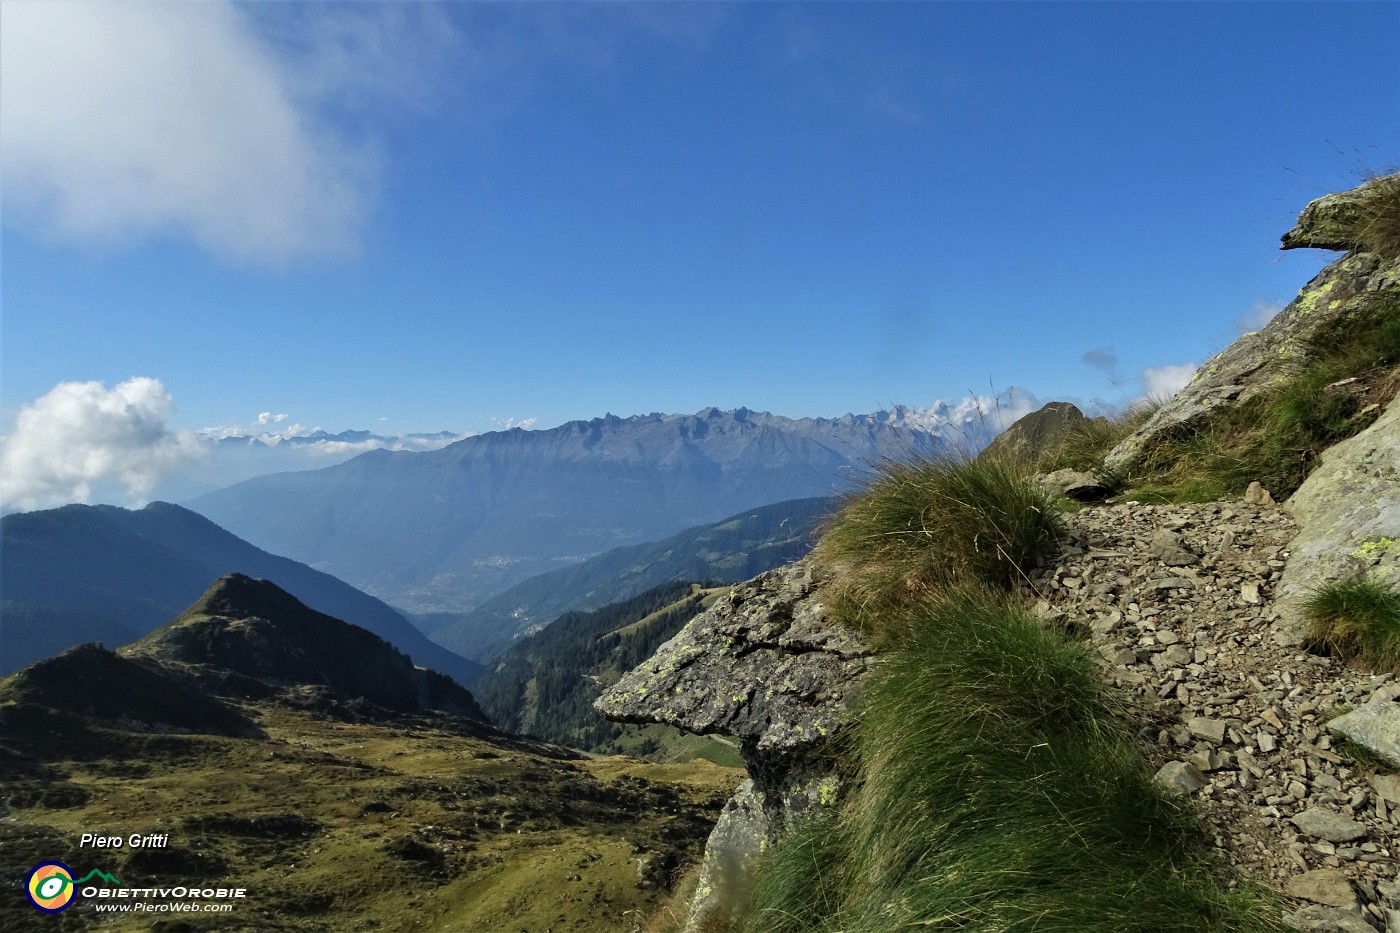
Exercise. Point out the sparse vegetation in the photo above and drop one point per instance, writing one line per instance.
(1379, 225)
(920, 528)
(1277, 437)
(1357, 619)
(328, 823)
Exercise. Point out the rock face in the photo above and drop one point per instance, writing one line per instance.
(1347, 288)
(1349, 513)
(766, 665)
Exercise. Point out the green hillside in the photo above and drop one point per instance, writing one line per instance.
(740, 547)
(545, 685)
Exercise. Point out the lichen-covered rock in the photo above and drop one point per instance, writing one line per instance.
(766, 665)
(763, 664)
(1334, 221)
(741, 833)
(1346, 289)
(1348, 514)
(1374, 726)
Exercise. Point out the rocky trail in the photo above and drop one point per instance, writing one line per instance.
(1180, 601)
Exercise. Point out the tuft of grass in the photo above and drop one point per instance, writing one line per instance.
(1001, 791)
(1357, 619)
(1379, 224)
(922, 527)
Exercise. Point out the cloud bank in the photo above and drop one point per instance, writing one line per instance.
(123, 121)
(82, 437)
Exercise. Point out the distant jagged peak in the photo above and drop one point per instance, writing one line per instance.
(943, 418)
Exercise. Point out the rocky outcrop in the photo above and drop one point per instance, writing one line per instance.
(1349, 513)
(1348, 288)
(767, 666)
(1337, 221)
(1038, 434)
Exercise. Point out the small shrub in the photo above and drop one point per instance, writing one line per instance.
(922, 527)
(1357, 619)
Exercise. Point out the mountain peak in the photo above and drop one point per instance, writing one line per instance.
(236, 595)
(256, 629)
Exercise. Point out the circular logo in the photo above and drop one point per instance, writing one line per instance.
(50, 886)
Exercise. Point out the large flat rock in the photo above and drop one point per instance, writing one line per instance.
(764, 664)
(1348, 514)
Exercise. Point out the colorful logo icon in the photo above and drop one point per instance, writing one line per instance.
(50, 887)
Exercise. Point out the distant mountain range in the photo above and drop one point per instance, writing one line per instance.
(101, 573)
(340, 442)
(730, 551)
(445, 530)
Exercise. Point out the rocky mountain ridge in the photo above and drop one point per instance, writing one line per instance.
(445, 530)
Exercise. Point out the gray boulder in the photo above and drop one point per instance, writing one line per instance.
(1328, 920)
(1348, 513)
(767, 666)
(1375, 726)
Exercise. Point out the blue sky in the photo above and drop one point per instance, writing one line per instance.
(413, 217)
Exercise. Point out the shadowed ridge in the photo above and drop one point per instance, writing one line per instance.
(91, 682)
(257, 630)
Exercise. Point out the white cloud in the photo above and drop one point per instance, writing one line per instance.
(1259, 314)
(81, 436)
(121, 121)
(1162, 382)
(268, 417)
(505, 424)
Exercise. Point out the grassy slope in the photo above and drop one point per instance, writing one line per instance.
(410, 825)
